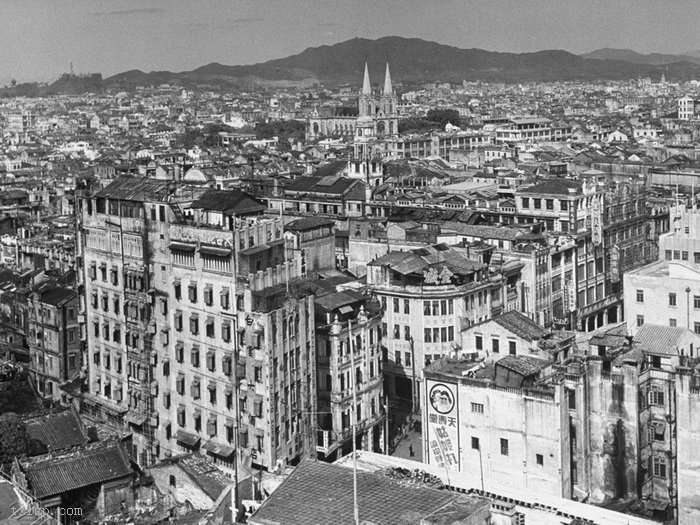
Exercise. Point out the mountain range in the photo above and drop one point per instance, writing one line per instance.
(416, 60)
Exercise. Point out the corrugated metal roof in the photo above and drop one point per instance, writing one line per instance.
(132, 188)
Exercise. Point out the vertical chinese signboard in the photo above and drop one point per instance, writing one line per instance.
(443, 425)
(615, 264)
(597, 221)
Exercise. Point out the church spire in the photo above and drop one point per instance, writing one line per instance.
(387, 81)
(366, 87)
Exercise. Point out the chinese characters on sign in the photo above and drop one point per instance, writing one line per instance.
(615, 264)
(443, 431)
(571, 295)
(431, 276)
(597, 222)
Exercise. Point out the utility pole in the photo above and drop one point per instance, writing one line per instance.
(414, 386)
(356, 509)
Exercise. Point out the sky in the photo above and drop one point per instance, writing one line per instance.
(41, 38)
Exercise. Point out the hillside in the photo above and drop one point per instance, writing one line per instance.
(627, 55)
(417, 60)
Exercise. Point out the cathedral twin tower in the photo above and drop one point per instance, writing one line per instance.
(377, 117)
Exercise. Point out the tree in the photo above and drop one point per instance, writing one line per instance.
(443, 116)
(14, 440)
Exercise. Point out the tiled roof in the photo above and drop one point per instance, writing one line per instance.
(203, 472)
(553, 187)
(140, 189)
(332, 185)
(57, 295)
(308, 223)
(57, 431)
(229, 202)
(520, 364)
(88, 465)
(659, 339)
(520, 325)
(320, 493)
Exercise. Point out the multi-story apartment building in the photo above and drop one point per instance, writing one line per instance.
(496, 421)
(198, 337)
(611, 424)
(668, 291)
(427, 295)
(54, 339)
(609, 223)
(348, 331)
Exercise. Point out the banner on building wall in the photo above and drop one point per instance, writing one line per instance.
(571, 295)
(596, 222)
(443, 425)
(573, 204)
(615, 264)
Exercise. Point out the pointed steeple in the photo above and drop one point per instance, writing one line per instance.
(366, 87)
(387, 81)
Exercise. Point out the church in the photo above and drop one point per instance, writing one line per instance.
(377, 115)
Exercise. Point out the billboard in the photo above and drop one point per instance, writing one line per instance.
(442, 425)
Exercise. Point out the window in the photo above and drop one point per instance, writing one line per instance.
(192, 292)
(178, 321)
(676, 254)
(406, 307)
(526, 202)
(408, 358)
(194, 356)
(563, 205)
(178, 291)
(479, 342)
(667, 255)
(537, 203)
(427, 335)
(504, 447)
(696, 301)
(571, 394)
(640, 320)
(659, 466)
(672, 299)
(696, 328)
(226, 331)
(511, 347)
(672, 322)
(549, 204)
(696, 257)
(475, 443)
(478, 408)
(194, 324)
(396, 305)
(495, 346)
(407, 333)
(656, 431)
(540, 459)
(397, 331)
(656, 397)
(684, 255)
(210, 329)
(640, 296)
(208, 295)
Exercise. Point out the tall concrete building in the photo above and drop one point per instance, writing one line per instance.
(198, 333)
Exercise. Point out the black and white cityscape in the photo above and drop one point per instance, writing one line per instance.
(350, 263)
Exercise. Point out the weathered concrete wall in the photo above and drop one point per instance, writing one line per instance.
(688, 461)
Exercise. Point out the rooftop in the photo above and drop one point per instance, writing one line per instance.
(139, 189)
(316, 489)
(520, 325)
(660, 340)
(202, 471)
(57, 431)
(229, 202)
(88, 465)
(553, 187)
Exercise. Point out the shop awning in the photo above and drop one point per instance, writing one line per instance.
(187, 439)
(219, 450)
(215, 251)
(182, 246)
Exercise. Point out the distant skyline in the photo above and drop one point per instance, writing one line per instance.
(40, 38)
